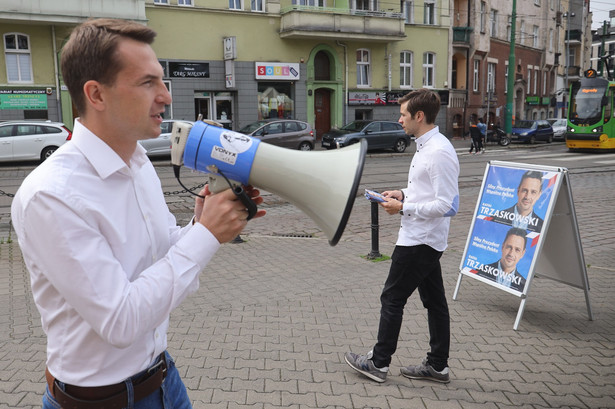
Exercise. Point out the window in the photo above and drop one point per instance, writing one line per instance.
(491, 77)
(429, 70)
(405, 69)
(522, 33)
(363, 68)
(508, 29)
(536, 37)
(161, 1)
(408, 12)
(506, 78)
(529, 79)
(482, 16)
(313, 3)
(544, 83)
(18, 58)
(365, 5)
(235, 4)
(258, 5)
(536, 75)
(537, 3)
(475, 77)
(551, 40)
(185, 3)
(430, 12)
(494, 23)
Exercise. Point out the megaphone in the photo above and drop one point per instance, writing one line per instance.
(322, 184)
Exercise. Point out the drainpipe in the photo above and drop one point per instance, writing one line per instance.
(345, 80)
(55, 71)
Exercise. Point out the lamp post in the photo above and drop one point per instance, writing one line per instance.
(567, 14)
(511, 73)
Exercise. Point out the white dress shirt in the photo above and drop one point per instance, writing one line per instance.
(432, 195)
(107, 261)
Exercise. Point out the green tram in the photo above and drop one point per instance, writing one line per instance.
(591, 120)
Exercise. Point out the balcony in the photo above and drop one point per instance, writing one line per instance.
(462, 35)
(322, 23)
(574, 36)
(574, 71)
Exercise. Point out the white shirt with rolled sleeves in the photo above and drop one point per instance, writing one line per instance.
(432, 195)
(107, 261)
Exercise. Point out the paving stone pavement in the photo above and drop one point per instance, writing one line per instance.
(275, 314)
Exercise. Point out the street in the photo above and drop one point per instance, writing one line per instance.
(275, 314)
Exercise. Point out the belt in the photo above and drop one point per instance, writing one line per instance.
(109, 396)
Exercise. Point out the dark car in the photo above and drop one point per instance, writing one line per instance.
(531, 131)
(31, 140)
(378, 134)
(286, 133)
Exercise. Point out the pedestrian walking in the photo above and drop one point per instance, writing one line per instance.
(426, 206)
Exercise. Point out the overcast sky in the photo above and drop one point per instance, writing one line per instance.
(600, 11)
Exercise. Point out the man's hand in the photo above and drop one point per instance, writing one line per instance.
(223, 213)
(393, 204)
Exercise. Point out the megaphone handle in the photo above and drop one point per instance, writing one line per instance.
(248, 203)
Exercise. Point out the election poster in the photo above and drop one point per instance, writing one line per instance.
(508, 225)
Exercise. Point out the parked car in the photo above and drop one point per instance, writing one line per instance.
(531, 131)
(286, 133)
(378, 134)
(559, 128)
(31, 140)
(161, 146)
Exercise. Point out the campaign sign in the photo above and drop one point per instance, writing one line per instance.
(508, 226)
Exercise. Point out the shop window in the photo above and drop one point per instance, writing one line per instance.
(275, 100)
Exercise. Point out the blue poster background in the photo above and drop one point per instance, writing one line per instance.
(487, 235)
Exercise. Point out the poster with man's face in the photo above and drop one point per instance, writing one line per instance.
(508, 225)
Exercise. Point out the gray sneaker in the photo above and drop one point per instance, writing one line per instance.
(365, 365)
(426, 371)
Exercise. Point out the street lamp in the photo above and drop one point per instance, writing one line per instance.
(567, 14)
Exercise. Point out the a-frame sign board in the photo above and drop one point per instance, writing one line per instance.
(524, 226)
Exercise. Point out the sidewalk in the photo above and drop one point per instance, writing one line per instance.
(275, 314)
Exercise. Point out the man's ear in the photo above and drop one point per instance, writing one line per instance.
(94, 95)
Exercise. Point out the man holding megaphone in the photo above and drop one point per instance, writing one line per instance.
(426, 205)
(107, 261)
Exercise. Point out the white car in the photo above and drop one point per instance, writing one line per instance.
(161, 146)
(559, 128)
(31, 140)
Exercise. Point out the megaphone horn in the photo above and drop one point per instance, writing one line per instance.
(322, 184)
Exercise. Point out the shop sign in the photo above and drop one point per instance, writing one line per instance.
(188, 70)
(23, 99)
(532, 100)
(276, 71)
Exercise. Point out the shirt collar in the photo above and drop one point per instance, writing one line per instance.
(423, 139)
(100, 155)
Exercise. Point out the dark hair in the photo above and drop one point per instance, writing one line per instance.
(90, 53)
(422, 99)
(531, 174)
(516, 231)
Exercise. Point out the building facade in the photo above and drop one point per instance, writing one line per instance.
(327, 62)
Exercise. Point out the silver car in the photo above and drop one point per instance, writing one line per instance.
(161, 146)
(286, 133)
(559, 128)
(31, 140)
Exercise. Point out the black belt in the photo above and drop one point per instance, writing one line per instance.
(109, 396)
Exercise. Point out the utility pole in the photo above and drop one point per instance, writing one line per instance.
(602, 47)
(511, 73)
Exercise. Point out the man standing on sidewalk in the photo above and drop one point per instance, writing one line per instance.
(426, 205)
(107, 262)
(482, 127)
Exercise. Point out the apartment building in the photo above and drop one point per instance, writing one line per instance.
(549, 50)
(236, 61)
(32, 34)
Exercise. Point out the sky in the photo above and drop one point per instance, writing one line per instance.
(600, 11)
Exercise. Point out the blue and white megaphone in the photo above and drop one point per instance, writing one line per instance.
(322, 184)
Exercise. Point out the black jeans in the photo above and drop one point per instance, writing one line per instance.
(414, 267)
